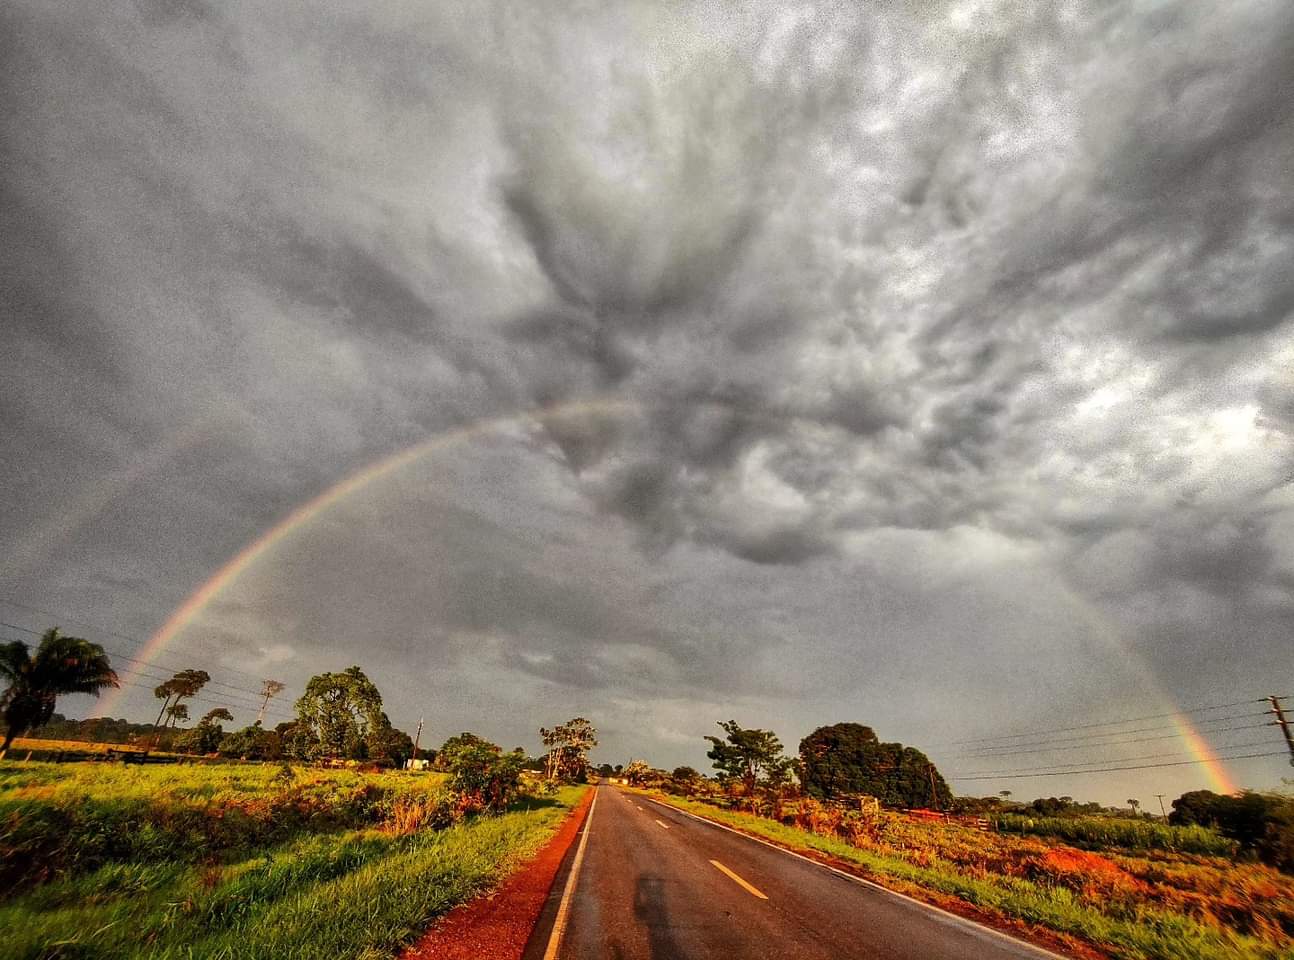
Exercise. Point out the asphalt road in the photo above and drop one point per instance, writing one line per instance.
(655, 883)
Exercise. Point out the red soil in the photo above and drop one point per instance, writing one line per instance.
(497, 926)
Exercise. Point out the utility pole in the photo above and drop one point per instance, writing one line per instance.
(1161, 805)
(1283, 722)
(934, 794)
(416, 737)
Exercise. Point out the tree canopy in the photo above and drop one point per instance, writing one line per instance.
(751, 757)
(337, 713)
(568, 748)
(848, 758)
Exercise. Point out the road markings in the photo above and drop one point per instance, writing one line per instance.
(665, 825)
(564, 908)
(740, 882)
(950, 918)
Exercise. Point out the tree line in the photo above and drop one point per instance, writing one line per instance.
(841, 760)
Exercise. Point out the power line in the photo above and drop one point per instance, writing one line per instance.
(1082, 743)
(1144, 766)
(208, 700)
(143, 663)
(1112, 743)
(131, 676)
(1092, 763)
(1112, 723)
(102, 629)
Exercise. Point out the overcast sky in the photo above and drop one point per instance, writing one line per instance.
(942, 353)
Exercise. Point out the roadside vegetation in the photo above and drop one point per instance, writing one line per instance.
(245, 861)
(1204, 885)
(305, 842)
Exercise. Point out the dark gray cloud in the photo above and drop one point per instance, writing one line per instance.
(912, 363)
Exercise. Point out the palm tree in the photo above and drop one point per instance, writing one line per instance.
(60, 665)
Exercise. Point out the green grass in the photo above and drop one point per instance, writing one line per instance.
(328, 888)
(1122, 833)
(1133, 931)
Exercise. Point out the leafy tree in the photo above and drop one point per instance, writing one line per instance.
(1261, 822)
(1134, 804)
(685, 774)
(207, 736)
(269, 690)
(637, 771)
(484, 776)
(848, 758)
(447, 755)
(336, 714)
(387, 744)
(176, 712)
(750, 757)
(568, 747)
(220, 713)
(34, 683)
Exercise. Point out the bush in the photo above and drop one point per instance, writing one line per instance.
(484, 777)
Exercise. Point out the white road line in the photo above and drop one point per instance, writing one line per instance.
(958, 921)
(665, 825)
(564, 908)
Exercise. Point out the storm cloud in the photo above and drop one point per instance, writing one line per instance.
(923, 364)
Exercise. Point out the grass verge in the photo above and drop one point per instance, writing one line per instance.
(335, 893)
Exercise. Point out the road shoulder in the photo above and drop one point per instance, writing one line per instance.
(498, 925)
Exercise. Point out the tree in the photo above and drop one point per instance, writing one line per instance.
(750, 757)
(337, 712)
(207, 736)
(253, 743)
(1004, 794)
(186, 683)
(176, 712)
(637, 771)
(386, 744)
(685, 774)
(269, 690)
(568, 747)
(447, 755)
(1134, 804)
(848, 758)
(34, 683)
(1260, 822)
(483, 775)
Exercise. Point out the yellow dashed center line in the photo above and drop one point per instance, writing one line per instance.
(740, 882)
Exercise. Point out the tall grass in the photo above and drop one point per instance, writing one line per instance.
(1107, 832)
(58, 820)
(329, 889)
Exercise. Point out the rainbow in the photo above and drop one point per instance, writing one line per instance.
(303, 515)
(1219, 780)
(1102, 626)
(307, 512)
